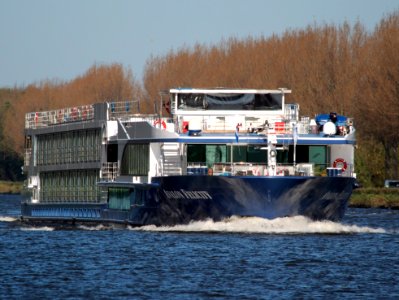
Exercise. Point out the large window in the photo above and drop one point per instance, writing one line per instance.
(77, 186)
(69, 147)
(122, 198)
(210, 154)
(119, 198)
(136, 160)
(307, 153)
(230, 101)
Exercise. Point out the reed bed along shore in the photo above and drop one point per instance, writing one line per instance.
(375, 198)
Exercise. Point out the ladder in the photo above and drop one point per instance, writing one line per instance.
(171, 159)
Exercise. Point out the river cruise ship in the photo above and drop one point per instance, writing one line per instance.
(211, 154)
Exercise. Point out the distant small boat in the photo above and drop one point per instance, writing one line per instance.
(218, 153)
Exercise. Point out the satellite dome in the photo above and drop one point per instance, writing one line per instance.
(329, 128)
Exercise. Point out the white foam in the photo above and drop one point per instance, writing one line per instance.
(288, 225)
(94, 228)
(7, 219)
(42, 228)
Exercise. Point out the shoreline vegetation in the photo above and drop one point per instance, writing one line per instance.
(11, 187)
(343, 68)
(361, 198)
(375, 198)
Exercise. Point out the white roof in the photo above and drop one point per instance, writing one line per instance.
(226, 90)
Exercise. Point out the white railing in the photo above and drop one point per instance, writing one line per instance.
(59, 116)
(225, 124)
(109, 171)
(260, 169)
(28, 155)
(263, 125)
(118, 110)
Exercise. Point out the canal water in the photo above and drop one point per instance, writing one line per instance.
(238, 258)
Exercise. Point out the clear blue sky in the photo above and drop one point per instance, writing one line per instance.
(61, 39)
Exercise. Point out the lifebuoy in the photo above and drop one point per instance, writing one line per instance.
(340, 163)
(159, 121)
(273, 153)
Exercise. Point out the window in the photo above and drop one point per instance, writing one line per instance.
(220, 101)
(135, 160)
(210, 154)
(69, 186)
(119, 198)
(69, 147)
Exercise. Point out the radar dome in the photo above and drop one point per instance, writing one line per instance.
(329, 128)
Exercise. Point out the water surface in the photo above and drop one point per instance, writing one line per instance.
(238, 258)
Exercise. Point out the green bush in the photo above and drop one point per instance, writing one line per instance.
(375, 197)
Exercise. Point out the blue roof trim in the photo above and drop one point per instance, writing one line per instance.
(248, 139)
(243, 140)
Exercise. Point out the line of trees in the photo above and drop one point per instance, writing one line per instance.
(338, 68)
(98, 84)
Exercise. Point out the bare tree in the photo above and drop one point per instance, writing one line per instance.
(379, 105)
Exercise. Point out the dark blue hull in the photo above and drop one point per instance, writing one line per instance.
(181, 199)
(217, 197)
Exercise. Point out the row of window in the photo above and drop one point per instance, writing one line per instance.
(70, 186)
(69, 147)
(210, 154)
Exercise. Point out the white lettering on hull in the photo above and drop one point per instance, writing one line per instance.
(334, 196)
(182, 194)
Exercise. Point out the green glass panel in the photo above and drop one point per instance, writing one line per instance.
(239, 153)
(215, 154)
(256, 155)
(317, 154)
(135, 160)
(196, 153)
(119, 198)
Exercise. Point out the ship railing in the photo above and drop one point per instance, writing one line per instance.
(153, 120)
(59, 116)
(130, 111)
(255, 125)
(27, 156)
(109, 171)
(239, 169)
(224, 124)
(262, 169)
(197, 169)
(291, 111)
(163, 123)
(123, 109)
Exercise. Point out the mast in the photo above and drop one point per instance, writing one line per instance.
(295, 137)
(272, 154)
